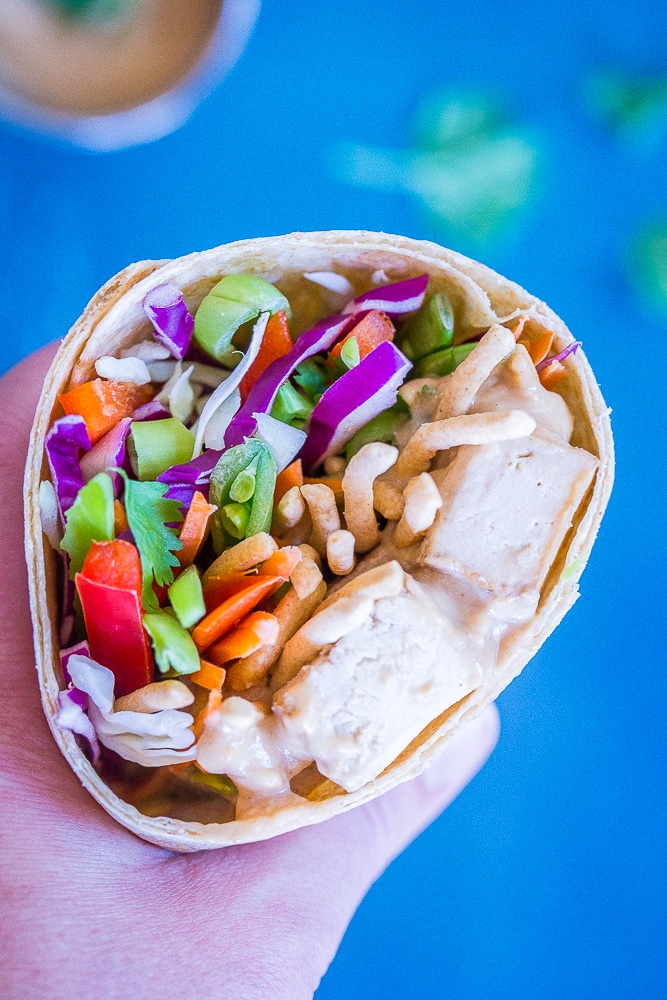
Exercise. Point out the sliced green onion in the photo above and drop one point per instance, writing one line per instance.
(235, 300)
(186, 597)
(220, 782)
(234, 518)
(172, 644)
(252, 453)
(430, 329)
(155, 445)
(380, 428)
(349, 354)
(443, 362)
(290, 406)
(243, 487)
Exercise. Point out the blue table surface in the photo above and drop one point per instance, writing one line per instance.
(547, 877)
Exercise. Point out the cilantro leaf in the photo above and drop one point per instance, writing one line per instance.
(148, 515)
(314, 376)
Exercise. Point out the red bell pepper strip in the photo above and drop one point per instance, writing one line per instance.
(109, 587)
(276, 342)
(103, 402)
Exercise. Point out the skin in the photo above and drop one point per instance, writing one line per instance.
(89, 910)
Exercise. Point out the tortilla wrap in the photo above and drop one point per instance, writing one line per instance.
(114, 320)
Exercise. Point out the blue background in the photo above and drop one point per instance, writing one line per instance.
(547, 877)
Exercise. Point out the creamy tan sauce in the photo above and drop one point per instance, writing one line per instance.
(351, 707)
(91, 68)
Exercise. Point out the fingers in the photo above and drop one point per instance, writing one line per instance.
(19, 701)
(402, 814)
(292, 897)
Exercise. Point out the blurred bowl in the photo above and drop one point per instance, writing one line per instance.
(106, 85)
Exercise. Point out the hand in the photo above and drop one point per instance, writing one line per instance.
(89, 910)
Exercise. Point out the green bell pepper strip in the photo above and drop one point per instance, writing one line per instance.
(89, 519)
(155, 445)
(235, 300)
(232, 462)
(443, 362)
(430, 329)
(172, 644)
(291, 407)
(187, 598)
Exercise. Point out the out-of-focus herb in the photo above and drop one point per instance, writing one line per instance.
(471, 167)
(649, 265)
(632, 106)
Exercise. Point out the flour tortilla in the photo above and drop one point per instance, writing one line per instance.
(114, 320)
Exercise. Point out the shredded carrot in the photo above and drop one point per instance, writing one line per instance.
(103, 402)
(220, 588)
(212, 705)
(276, 342)
(552, 374)
(256, 630)
(119, 519)
(331, 481)
(518, 329)
(230, 612)
(285, 480)
(538, 347)
(208, 676)
(370, 332)
(282, 563)
(195, 528)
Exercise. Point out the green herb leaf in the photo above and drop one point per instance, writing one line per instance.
(314, 376)
(148, 514)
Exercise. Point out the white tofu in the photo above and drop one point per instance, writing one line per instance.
(364, 699)
(506, 509)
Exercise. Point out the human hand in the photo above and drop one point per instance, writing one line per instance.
(91, 911)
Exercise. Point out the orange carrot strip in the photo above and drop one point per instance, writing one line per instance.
(256, 630)
(119, 519)
(231, 611)
(518, 329)
(276, 342)
(194, 529)
(539, 347)
(282, 563)
(285, 480)
(331, 481)
(208, 676)
(370, 332)
(552, 374)
(103, 402)
(212, 705)
(220, 588)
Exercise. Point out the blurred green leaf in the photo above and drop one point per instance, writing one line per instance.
(634, 107)
(649, 265)
(470, 169)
